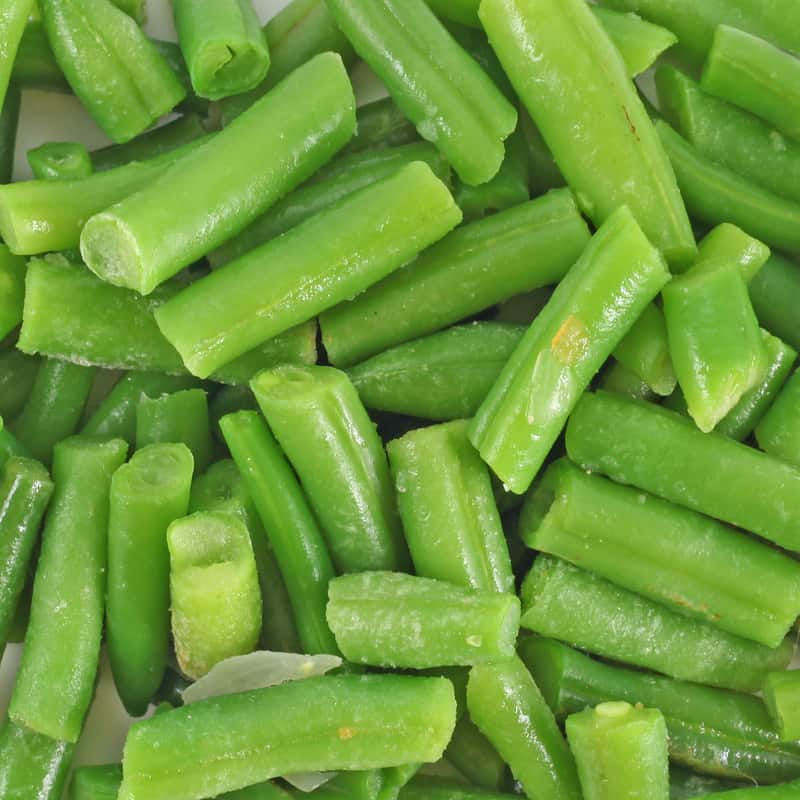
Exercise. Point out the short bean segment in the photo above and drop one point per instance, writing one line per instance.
(778, 433)
(60, 161)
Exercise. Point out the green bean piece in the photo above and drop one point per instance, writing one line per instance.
(620, 751)
(715, 731)
(606, 146)
(321, 425)
(490, 257)
(25, 489)
(352, 172)
(12, 290)
(462, 11)
(225, 183)
(301, 30)
(585, 610)
(615, 278)
(778, 433)
(508, 708)
(626, 440)
(715, 194)
(772, 292)
(17, 376)
(444, 376)
(755, 75)
(32, 766)
(544, 174)
(781, 692)
(380, 124)
(644, 351)
(156, 142)
(56, 677)
(214, 592)
(35, 65)
(323, 261)
(292, 530)
(222, 488)
(616, 378)
(227, 400)
(472, 754)
(9, 122)
(115, 70)
(687, 562)
(72, 314)
(60, 161)
(13, 16)
(449, 515)
(745, 416)
(450, 99)
(99, 782)
(147, 494)
(728, 244)
(474, 41)
(349, 722)
(54, 407)
(729, 135)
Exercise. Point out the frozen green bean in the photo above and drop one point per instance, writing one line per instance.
(773, 291)
(778, 433)
(60, 161)
(17, 376)
(12, 290)
(727, 243)
(32, 766)
(99, 782)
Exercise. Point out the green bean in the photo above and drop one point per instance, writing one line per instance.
(60, 161)
(778, 433)
(225, 183)
(728, 244)
(99, 782)
(9, 122)
(12, 290)
(474, 41)
(575, 606)
(114, 69)
(462, 11)
(10, 445)
(13, 16)
(17, 376)
(431, 788)
(35, 65)
(298, 545)
(380, 124)
(348, 722)
(488, 261)
(617, 275)
(471, 753)
(352, 173)
(227, 400)
(509, 709)
(394, 620)
(616, 378)
(772, 292)
(54, 406)
(620, 751)
(627, 441)
(755, 75)
(32, 766)
(321, 425)
(374, 784)
(56, 677)
(781, 691)
(449, 515)
(147, 494)
(601, 137)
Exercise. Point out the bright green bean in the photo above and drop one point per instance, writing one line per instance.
(772, 292)
(728, 244)
(9, 122)
(60, 161)
(99, 782)
(32, 766)
(778, 433)
(12, 290)
(17, 376)
(781, 693)
(35, 65)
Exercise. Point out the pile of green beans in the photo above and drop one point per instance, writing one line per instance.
(482, 396)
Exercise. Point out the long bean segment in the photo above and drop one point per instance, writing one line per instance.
(778, 433)
(567, 603)
(490, 257)
(601, 136)
(147, 494)
(627, 441)
(32, 766)
(225, 183)
(617, 275)
(644, 350)
(449, 515)
(12, 290)
(321, 425)
(772, 292)
(348, 722)
(56, 678)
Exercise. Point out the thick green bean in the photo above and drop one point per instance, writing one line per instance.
(13, 16)
(321, 425)
(12, 290)
(728, 244)
(32, 766)
(772, 292)
(449, 515)
(489, 261)
(664, 453)
(778, 433)
(617, 275)
(9, 122)
(601, 136)
(147, 494)
(99, 782)
(348, 722)
(575, 606)
(17, 376)
(55, 683)
(60, 161)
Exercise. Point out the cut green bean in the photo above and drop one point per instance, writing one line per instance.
(17, 376)
(778, 433)
(353, 172)
(676, 557)
(388, 619)
(601, 136)
(56, 678)
(489, 259)
(427, 787)
(773, 291)
(781, 694)
(60, 161)
(620, 751)
(509, 709)
(570, 604)
(12, 290)
(616, 378)
(321, 425)
(728, 244)
(35, 65)
(664, 453)
(472, 754)
(9, 122)
(617, 275)
(54, 407)
(32, 766)
(349, 722)
(449, 515)
(225, 183)
(13, 16)
(99, 782)
(223, 45)
(755, 75)
(450, 99)
(147, 494)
